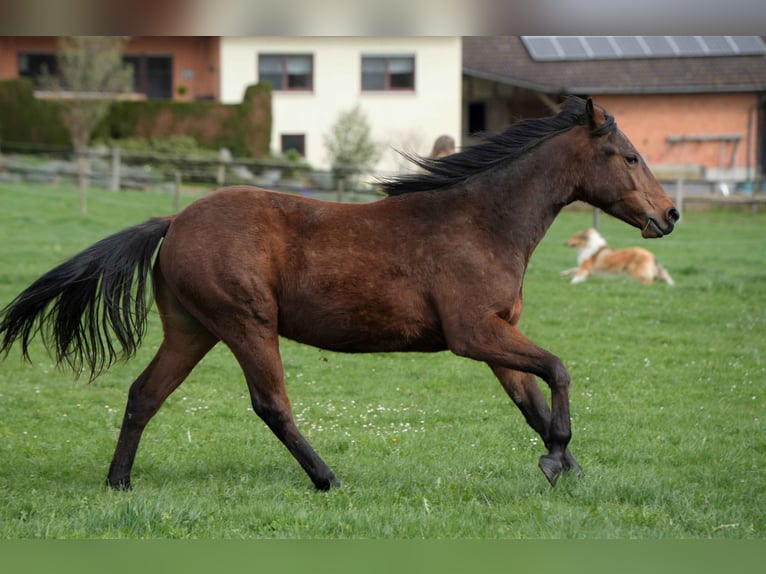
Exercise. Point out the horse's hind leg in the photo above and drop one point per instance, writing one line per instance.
(527, 396)
(185, 343)
(258, 355)
(167, 370)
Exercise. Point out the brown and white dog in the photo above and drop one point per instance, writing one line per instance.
(595, 257)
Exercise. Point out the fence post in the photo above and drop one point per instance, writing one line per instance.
(224, 157)
(83, 166)
(177, 192)
(680, 197)
(115, 184)
(596, 219)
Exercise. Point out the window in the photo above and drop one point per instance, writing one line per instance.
(296, 142)
(34, 65)
(388, 73)
(287, 72)
(152, 75)
(477, 117)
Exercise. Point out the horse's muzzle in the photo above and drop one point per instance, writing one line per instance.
(654, 228)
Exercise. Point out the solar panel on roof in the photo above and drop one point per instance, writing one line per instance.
(572, 47)
(629, 46)
(748, 44)
(600, 46)
(688, 45)
(552, 48)
(717, 45)
(541, 47)
(659, 46)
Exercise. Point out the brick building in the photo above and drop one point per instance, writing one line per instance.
(682, 100)
(181, 68)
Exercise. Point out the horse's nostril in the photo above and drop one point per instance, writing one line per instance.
(673, 215)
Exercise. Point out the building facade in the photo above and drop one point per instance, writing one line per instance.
(409, 89)
(180, 68)
(683, 100)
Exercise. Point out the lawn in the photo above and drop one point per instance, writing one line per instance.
(668, 394)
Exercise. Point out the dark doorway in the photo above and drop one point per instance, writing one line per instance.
(152, 75)
(477, 117)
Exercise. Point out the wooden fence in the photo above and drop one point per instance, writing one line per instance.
(116, 169)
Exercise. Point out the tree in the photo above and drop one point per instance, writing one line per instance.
(349, 144)
(90, 74)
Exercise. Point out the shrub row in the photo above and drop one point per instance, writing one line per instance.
(245, 128)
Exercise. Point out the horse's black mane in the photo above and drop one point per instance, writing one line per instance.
(492, 150)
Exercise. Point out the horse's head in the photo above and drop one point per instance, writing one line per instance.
(619, 181)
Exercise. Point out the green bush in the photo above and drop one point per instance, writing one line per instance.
(166, 154)
(171, 145)
(245, 129)
(27, 120)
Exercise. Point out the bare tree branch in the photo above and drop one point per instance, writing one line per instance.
(90, 69)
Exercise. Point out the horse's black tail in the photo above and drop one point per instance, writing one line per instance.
(85, 303)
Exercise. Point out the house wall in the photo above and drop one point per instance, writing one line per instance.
(648, 120)
(195, 60)
(409, 121)
(196, 63)
(10, 46)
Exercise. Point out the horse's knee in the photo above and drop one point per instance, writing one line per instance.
(558, 376)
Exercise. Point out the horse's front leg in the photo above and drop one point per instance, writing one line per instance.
(495, 341)
(524, 391)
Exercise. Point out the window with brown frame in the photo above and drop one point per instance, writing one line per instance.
(388, 73)
(152, 75)
(287, 72)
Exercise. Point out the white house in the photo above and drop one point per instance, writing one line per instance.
(408, 87)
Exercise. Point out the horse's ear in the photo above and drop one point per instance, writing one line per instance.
(596, 116)
(589, 111)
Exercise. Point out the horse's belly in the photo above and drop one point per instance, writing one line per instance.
(362, 329)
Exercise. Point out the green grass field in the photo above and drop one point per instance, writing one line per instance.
(668, 394)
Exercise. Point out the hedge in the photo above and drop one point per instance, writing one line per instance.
(25, 119)
(245, 128)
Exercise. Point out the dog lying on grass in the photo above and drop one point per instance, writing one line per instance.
(595, 257)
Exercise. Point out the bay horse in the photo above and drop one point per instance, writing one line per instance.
(435, 265)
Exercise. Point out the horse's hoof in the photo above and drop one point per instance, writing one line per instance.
(326, 484)
(123, 484)
(551, 467)
(570, 464)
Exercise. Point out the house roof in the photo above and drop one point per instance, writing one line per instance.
(505, 59)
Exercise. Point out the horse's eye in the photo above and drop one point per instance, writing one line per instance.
(631, 159)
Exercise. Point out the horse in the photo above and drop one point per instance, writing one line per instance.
(436, 264)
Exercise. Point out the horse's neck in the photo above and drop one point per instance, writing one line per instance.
(529, 197)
